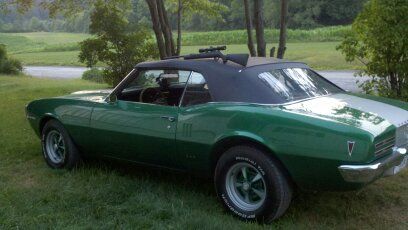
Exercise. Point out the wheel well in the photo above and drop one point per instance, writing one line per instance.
(223, 145)
(44, 121)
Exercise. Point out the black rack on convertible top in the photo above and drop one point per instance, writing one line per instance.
(215, 52)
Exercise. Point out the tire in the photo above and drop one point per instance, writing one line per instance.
(59, 150)
(264, 194)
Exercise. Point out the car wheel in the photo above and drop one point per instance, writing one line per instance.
(252, 185)
(59, 151)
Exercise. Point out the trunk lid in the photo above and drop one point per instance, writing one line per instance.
(370, 115)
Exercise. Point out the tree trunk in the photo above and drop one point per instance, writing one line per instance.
(152, 4)
(248, 20)
(400, 84)
(259, 28)
(394, 83)
(166, 28)
(283, 26)
(179, 13)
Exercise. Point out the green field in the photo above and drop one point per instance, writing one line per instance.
(317, 47)
(120, 196)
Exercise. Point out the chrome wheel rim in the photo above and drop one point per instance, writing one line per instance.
(245, 186)
(55, 147)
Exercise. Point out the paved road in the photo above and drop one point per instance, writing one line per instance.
(63, 72)
(343, 78)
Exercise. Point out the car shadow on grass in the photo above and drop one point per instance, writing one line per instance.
(154, 174)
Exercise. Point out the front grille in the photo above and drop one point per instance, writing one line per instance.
(402, 136)
(384, 146)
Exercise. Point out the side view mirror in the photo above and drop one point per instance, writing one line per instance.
(112, 98)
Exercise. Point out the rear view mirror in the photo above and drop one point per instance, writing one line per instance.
(169, 76)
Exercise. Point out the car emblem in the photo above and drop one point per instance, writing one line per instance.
(350, 145)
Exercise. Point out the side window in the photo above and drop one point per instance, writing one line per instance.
(196, 91)
(161, 87)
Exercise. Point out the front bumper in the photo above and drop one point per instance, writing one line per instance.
(387, 166)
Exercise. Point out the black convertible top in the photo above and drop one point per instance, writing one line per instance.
(207, 62)
(230, 82)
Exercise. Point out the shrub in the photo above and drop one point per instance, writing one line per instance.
(117, 43)
(94, 74)
(379, 39)
(7, 64)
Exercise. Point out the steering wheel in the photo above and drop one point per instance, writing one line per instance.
(149, 95)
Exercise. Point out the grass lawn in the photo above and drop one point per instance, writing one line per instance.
(61, 49)
(54, 37)
(103, 195)
(62, 58)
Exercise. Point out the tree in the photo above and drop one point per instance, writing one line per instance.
(179, 13)
(248, 23)
(187, 8)
(379, 40)
(283, 26)
(164, 49)
(118, 44)
(161, 25)
(21, 5)
(259, 28)
(339, 12)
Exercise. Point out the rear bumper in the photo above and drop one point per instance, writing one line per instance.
(387, 166)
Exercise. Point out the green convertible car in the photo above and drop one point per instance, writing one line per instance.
(261, 127)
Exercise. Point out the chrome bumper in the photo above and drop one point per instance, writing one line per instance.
(387, 166)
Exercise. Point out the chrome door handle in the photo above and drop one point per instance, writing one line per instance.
(169, 118)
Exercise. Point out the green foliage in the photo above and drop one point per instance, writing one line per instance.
(7, 64)
(91, 51)
(37, 19)
(94, 74)
(198, 15)
(19, 5)
(118, 44)
(337, 12)
(317, 13)
(203, 8)
(301, 15)
(379, 39)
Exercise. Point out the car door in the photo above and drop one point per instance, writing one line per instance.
(197, 125)
(138, 126)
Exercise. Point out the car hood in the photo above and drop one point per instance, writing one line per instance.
(89, 95)
(370, 115)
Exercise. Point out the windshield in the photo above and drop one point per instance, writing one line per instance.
(294, 84)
